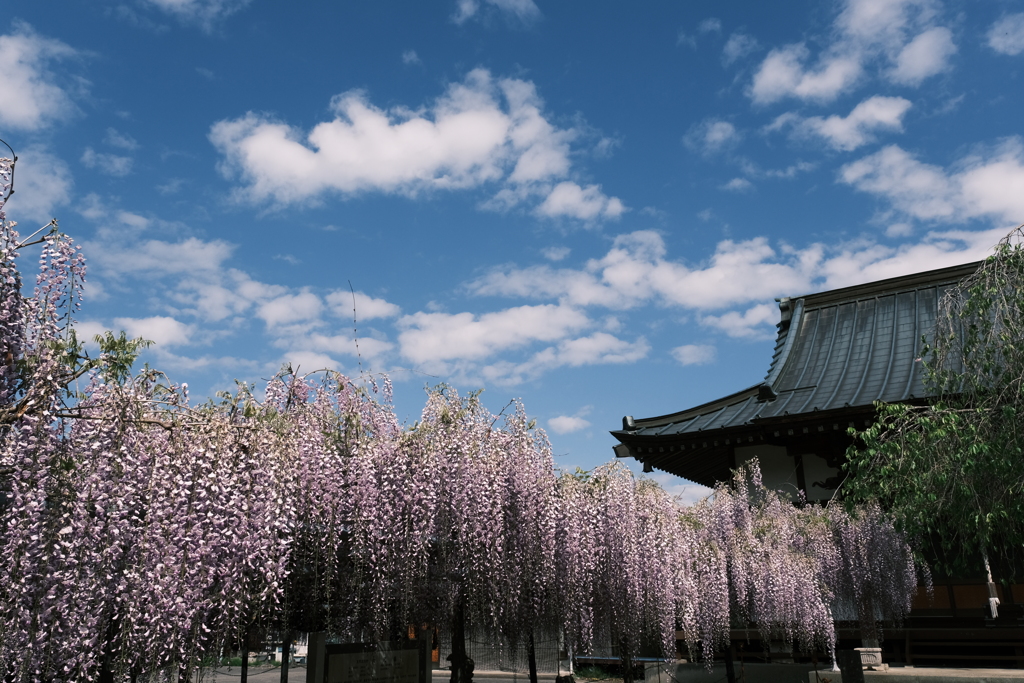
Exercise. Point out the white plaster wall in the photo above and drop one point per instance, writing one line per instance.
(778, 468)
(816, 469)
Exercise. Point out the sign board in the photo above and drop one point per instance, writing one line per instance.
(398, 662)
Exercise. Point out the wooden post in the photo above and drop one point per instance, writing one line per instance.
(315, 657)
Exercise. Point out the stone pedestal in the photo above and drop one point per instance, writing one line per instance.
(871, 658)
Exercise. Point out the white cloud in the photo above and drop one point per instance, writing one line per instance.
(122, 140)
(731, 292)
(555, 253)
(854, 130)
(783, 74)
(133, 220)
(367, 347)
(410, 57)
(920, 190)
(366, 307)
(429, 337)
(694, 354)
(291, 308)
(988, 184)
(480, 132)
(737, 47)
(568, 199)
(465, 9)
(111, 164)
(310, 336)
(86, 330)
(187, 277)
(161, 330)
(566, 424)
(172, 186)
(636, 271)
(926, 55)
(190, 256)
(899, 230)
(738, 185)
(42, 184)
(1007, 34)
(686, 39)
(684, 491)
(710, 25)
(304, 361)
(31, 97)
(190, 278)
(853, 264)
(865, 33)
(599, 348)
(756, 322)
(523, 10)
(204, 13)
(711, 136)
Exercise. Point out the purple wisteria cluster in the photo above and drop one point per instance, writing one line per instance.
(140, 533)
(634, 566)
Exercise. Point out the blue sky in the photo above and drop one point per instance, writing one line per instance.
(586, 205)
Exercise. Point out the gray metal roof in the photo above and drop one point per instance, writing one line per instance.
(844, 348)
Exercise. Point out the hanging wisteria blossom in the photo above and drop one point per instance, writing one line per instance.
(142, 534)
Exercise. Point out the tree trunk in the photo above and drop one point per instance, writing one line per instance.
(730, 671)
(106, 673)
(532, 656)
(868, 627)
(286, 646)
(626, 660)
(244, 678)
(462, 665)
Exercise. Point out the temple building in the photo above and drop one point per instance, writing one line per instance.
(837, 352)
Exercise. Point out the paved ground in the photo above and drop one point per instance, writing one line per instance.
(297, 674)
(257, 674)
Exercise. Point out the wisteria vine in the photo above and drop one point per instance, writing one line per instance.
(141, 533)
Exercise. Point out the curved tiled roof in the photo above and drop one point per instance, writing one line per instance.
(845, 348)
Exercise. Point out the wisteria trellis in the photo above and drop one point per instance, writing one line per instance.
(140, 532)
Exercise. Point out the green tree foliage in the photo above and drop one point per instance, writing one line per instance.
(952, 472)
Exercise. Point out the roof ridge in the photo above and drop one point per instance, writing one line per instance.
(892, 285)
